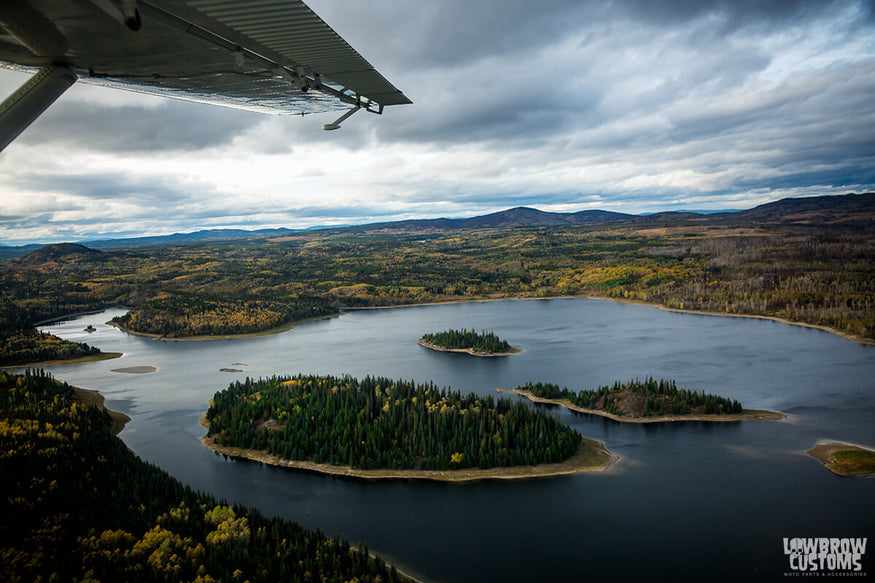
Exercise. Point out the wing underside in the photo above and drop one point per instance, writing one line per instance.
(274, 56)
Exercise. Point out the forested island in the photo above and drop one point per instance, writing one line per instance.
(77, 505)
(364, 428)
(804, 261)
(649, 400)
(468, 341)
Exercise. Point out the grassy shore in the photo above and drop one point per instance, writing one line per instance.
(591, 456)
(845, 459)
(746, 414)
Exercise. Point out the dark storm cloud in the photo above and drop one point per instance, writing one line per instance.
(401, 34)
(483, 71)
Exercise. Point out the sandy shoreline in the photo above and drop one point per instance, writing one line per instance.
(746, 414)
(823, 452)
(471, 351)
(92, 397)
(845, 335)
(592, 456)
(89, 358)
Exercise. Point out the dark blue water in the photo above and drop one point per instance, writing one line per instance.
(688, 501)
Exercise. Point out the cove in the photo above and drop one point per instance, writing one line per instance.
(687, 501)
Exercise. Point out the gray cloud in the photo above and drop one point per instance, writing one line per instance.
(174, 126)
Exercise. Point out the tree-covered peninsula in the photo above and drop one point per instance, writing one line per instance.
(647, 400)
(77, 505)
(31, 346)
(477, 343)
(378, 423)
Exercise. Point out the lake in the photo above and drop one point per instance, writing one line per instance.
(687, 501)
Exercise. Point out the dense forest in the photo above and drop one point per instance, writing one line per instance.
(483, 342)
(77, 505)
(381, 423)
(637, 398)
(189, 315)
(30, 345)
(814, 270)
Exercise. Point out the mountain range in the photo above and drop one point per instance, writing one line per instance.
(852, 210)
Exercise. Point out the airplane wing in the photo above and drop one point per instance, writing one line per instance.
(273, 56)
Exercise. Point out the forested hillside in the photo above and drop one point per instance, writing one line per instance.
(380, 423)
(808, 263)
(77, 505)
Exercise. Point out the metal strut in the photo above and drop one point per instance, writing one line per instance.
(20, 109)
(336, 124)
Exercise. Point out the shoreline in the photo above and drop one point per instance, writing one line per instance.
(845, 335)
(92, 397)
(471, 351)
(591, 456)
(89, 358)
(823, 452)
(761, 414)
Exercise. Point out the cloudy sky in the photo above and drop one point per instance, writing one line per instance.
(632, 106)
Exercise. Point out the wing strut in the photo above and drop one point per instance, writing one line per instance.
(20, 109)
(336, 124)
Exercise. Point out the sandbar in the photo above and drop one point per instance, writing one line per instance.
(591, 456)
(135, 369)
(824, 453)
(746, 414)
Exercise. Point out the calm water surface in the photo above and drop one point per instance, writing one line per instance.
(688, 501)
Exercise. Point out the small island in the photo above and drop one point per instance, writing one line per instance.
(469, 342)
(378, 428)
(647, 401)
(845, 459)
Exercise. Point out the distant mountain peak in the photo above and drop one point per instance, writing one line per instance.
(60, 253)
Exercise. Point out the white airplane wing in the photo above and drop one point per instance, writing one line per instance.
(274, 56)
